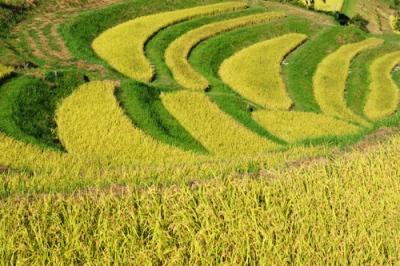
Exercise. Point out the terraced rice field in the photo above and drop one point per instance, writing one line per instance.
(198, 132)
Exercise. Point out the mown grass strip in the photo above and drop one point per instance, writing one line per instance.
(123, 46)
(143, 105)
(5, 71)
(218, 132)
(255, 72)
(177, 54)
(302, 65)
(92, 125)
(383, 99)
(300, 126)
(329, 81)
(28, 104)
(207, 57)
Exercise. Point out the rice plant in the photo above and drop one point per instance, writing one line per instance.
(383, 99)
(329, 81)
(123, 46)
(219, 133)
(5, 71)
(300, 126)
(92, 125)
(176, 56)
(262, 60)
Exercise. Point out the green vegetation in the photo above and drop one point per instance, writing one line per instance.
(97, 167)
(346, 211)
(219, 133)
(123, 46)
(176, 55)
(330, 80)
(27, 106)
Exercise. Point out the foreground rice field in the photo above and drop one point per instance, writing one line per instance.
(187, 132)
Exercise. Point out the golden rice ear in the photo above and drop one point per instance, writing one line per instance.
(329, 81)
(123, 45)
(177, 53)
(383, 99)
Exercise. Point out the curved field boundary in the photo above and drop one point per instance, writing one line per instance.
(176, 55)
(91, 124)
(300, 126)
(123, 46)
(383, 99)
(329, 81)
(255, 72)
(218, 132)
(5, 71)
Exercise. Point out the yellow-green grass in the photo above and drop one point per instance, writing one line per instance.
(329, 81)
(383, 99)
(214, 129)
(16, 154)
(123, 46)
(177, 53)
(255, 72)
(343, 211)
(326, 5)
(300, 126)
(92, 125)
(5, 71)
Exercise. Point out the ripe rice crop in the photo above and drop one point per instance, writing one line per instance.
(91, 124)
(341, 211)
(326, 5)
(176, 55)
(255, 72)
(5, 71)
(299, 126)
(123, 46)
(383, 99)
(329, 81)
(214, 129)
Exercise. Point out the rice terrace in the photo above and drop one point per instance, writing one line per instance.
(182, 132)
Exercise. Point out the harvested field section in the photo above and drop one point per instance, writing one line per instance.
(176, 55)
(123, 46)
(299, 126)
(383, 99)
(214, 129)
(255, 72)
(329, 81)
